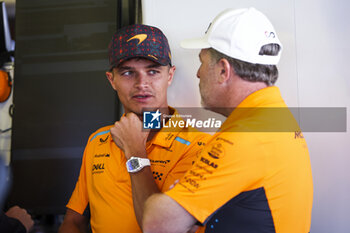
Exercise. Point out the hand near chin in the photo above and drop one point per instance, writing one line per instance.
(130, 136)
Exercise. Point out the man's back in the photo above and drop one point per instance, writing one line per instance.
(263, 179)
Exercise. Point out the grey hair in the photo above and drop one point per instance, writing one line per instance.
(249, 71)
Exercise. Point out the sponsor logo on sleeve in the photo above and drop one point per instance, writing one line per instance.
(216, 151)
(224, 140)
(103, 141)
(208, 162)
(201, 143)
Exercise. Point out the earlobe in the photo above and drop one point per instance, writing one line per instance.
(171, 74)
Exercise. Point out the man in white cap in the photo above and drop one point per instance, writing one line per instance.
(254, 175)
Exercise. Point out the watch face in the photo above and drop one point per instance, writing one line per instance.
(133, 164)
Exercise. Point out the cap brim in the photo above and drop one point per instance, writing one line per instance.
(199, 43)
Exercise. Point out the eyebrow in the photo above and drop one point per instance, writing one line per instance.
(121, 68)
(156, 65)
(125, 67)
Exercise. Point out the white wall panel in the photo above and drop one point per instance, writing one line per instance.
(323, 54)
(313, 73)
(182, 19)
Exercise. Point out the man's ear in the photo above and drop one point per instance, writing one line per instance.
(171, 74)
(224, 69)
(110, 78)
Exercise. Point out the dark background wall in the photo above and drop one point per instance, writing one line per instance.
(61, 95)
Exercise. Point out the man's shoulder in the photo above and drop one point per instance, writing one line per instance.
(193, 135)
(103, 131)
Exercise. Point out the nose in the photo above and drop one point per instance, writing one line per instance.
(141, 80)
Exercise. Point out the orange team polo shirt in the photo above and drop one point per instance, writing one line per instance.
(104, 182)
(254, 175)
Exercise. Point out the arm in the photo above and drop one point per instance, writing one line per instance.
(164, 215)
(73, 223)
(143, 186)
(127, 135)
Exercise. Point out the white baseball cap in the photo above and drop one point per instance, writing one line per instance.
(239, 34)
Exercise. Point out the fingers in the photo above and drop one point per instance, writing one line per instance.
(115, 136)
(125, 129)
(130, 123)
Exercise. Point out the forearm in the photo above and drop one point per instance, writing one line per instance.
(74, 223)
(127, 136)
(162, 214)
(143, 186)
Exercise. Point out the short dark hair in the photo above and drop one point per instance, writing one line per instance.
(249, 71)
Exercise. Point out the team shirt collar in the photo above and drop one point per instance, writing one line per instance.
(165, 138)
(268, 96)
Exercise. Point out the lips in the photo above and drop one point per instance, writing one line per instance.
(142, 97)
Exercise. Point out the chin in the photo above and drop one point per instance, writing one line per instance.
(204, 104)
(139, 110)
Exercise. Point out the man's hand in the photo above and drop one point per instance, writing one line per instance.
(21, 215)
(129, 136)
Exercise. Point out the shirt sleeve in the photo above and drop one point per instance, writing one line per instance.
(222, 170)
(187, 160)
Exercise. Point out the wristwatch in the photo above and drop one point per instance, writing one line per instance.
(135, 164)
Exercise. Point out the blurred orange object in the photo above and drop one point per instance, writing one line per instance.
(5, 86)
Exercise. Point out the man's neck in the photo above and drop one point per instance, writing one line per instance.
(241, 91)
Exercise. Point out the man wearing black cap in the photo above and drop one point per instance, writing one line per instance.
(117, 174)
(255, 172)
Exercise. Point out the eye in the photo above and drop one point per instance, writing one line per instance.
(153, 72)
(127, 73)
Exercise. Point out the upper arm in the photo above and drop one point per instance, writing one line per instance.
(164, 215)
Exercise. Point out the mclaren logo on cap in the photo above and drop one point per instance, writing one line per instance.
(140, 37)
(154, 57)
